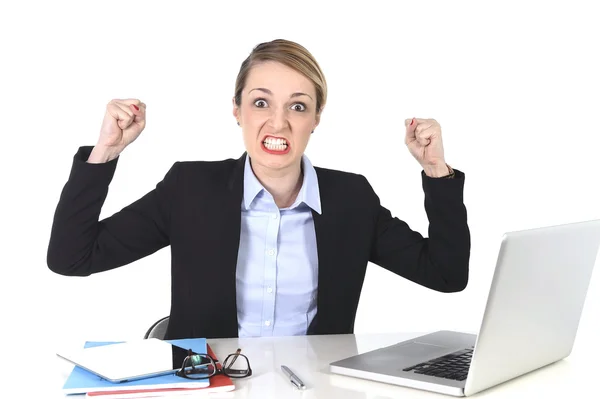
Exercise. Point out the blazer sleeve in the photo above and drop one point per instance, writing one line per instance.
(81, 244)
(440, 261)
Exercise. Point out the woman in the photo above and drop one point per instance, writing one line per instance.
(266, 244)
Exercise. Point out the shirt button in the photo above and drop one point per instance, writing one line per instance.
(271, 252)
(269, 290)
(275, 216)
(268, 323)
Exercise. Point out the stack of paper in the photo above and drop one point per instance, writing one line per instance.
(82, 381)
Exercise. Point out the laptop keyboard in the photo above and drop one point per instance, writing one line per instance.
(453, 366)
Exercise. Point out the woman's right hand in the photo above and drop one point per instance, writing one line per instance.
(123, 122)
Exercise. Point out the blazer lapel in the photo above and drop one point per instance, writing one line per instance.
(233, 221)
(327, 246)
(225, 223)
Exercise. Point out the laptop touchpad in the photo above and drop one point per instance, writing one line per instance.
(418, 349)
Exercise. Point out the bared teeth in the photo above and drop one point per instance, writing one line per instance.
(275, 144)
(274, 141)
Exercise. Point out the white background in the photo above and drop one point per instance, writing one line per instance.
(514, 85)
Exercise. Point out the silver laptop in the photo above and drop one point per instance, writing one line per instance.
(531, 319)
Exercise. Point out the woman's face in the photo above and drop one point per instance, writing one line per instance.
(277, 115)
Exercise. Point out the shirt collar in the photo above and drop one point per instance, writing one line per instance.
(309, 192)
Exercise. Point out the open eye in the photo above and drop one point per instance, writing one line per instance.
(300, 107)
(260, 103)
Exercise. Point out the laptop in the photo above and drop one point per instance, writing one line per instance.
(531, 318)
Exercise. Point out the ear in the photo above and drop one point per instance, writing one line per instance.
(318, 118)
(236, 109)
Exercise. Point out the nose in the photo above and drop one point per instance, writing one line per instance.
(279, 120)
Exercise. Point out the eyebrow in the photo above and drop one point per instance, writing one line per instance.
(297, 94)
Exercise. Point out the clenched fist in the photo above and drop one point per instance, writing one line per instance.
(424, 141)
(123, 122)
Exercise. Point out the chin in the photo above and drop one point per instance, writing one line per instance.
(274, 162)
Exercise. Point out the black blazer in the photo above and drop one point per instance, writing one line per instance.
(196, 209)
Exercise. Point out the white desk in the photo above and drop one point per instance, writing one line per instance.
(309, 357)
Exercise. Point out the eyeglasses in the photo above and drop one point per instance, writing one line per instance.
(201, 366)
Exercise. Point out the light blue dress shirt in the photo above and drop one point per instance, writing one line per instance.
(277, 268)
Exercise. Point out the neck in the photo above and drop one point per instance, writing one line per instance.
(283, 185)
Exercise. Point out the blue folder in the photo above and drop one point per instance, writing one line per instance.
(82, 381)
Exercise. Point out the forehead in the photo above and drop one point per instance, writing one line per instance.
(279, 78)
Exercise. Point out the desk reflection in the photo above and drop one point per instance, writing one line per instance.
(309, 358)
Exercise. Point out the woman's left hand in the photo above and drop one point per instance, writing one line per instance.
(424, 141)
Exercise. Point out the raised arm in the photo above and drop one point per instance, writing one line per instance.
(440, 261)
(81, 244)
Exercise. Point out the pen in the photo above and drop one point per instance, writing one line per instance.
(297, 382)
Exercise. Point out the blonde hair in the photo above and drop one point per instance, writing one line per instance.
(287, 53)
